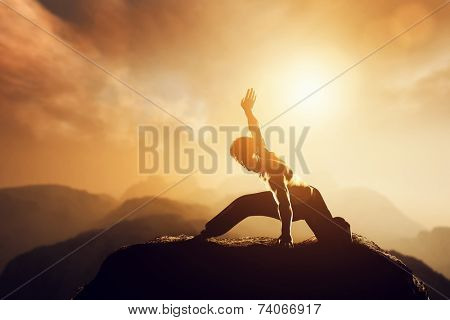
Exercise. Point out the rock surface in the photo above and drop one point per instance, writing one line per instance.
(252, 268)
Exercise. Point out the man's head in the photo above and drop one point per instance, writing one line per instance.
(243, 150)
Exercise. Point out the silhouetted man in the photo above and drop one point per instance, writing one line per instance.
(288, 199)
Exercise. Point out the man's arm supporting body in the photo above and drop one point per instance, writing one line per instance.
(281, 194)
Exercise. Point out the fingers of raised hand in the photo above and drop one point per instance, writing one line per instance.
(248, 94)
(251, 95)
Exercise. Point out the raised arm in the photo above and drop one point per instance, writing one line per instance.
(247, 104)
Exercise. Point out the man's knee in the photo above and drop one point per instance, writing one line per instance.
(329, 229)
(316, 195)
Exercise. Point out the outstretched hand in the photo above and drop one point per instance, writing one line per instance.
(285, 241)
(249, 100)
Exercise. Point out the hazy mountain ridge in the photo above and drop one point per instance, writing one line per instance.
(62, 281)
(160, 205)
(43, 214)
(433, 247)
(372, 214)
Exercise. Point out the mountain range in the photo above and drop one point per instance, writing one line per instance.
(57, 220)
(63, 280)
(37, 215)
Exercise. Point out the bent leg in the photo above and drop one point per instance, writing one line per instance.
(256, 204)
(326, 228)
(316, 214)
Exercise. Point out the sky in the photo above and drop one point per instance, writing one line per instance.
(384, 125)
